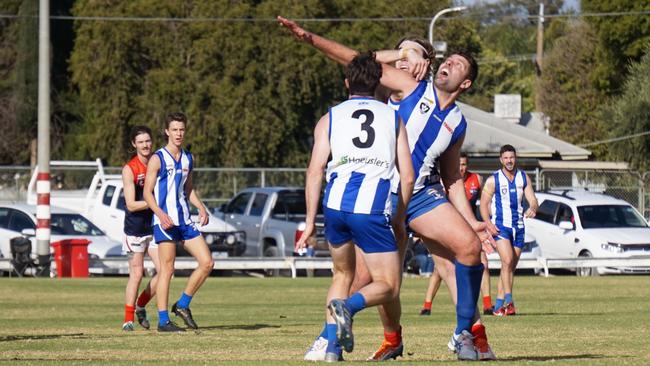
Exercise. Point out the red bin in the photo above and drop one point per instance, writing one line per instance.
(61, 258)
(71, 257)
(79, 257)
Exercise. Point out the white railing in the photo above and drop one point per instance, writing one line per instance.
(184, 263)
(295, 263)
(572, 263)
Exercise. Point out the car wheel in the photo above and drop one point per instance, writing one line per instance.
(271, 251)
(586, 271)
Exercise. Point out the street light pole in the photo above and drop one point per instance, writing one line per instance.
(440, 13)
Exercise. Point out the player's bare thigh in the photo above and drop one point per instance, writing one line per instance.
(199, 250)
(506, 250)
(362, 275)
(448, 228)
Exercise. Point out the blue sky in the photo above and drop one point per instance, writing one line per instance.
(568, 4)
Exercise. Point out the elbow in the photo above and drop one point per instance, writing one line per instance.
(351, 57)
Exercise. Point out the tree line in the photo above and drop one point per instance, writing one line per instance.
(253, 93)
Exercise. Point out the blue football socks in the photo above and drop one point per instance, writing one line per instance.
(498, 304)
(332, 342)
(508, 299)
(468, 284)
(184, 301)
(355, 303)
(163, 317)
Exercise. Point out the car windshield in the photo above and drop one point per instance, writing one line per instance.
(73, 224)
(291, 205)
(606, 216)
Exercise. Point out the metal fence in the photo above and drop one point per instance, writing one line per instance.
(217, 185)
(630, 186)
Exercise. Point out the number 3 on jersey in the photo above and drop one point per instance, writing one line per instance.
(365, 126)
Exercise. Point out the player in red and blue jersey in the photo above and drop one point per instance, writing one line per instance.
(137, 230)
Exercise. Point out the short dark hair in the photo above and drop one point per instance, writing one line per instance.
(139, 130)
(175, 116)
(430, 52)
(473, 66)
(363, 74)
(506, 148)
(463, 154)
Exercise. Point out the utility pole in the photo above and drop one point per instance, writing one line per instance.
(43, 177)
(539, 57)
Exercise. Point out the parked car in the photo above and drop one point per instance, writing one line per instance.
(273, 219)
(20, 219)
(572, 224)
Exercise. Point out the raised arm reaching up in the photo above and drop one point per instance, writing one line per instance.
(392, 78)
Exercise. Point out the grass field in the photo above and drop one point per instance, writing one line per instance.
(563, 320)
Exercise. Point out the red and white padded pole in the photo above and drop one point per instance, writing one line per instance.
(43, 181)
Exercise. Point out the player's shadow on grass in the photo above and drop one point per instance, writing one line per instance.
(552, 358)
(239, 327)
(37, 337)
(556, 314)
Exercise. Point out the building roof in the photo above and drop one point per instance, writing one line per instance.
(583, 165)
(486, 133)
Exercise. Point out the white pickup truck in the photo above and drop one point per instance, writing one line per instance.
(103, 203)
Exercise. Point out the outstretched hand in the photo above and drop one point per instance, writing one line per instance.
(297, 30)
(487, 241)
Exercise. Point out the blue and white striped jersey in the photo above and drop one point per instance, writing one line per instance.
(431, 131)
(363, 137)
(507, 209)
(170, 186)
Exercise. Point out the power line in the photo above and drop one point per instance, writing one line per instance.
(311, 20)
(621, 138)
(605, 14)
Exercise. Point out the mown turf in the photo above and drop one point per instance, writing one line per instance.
(562, 320)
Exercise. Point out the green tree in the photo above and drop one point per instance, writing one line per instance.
(508, 42)
(630, 114)
(622, 39)
(18, 81)
(252, 92)
(498, 75)
(569, 93)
